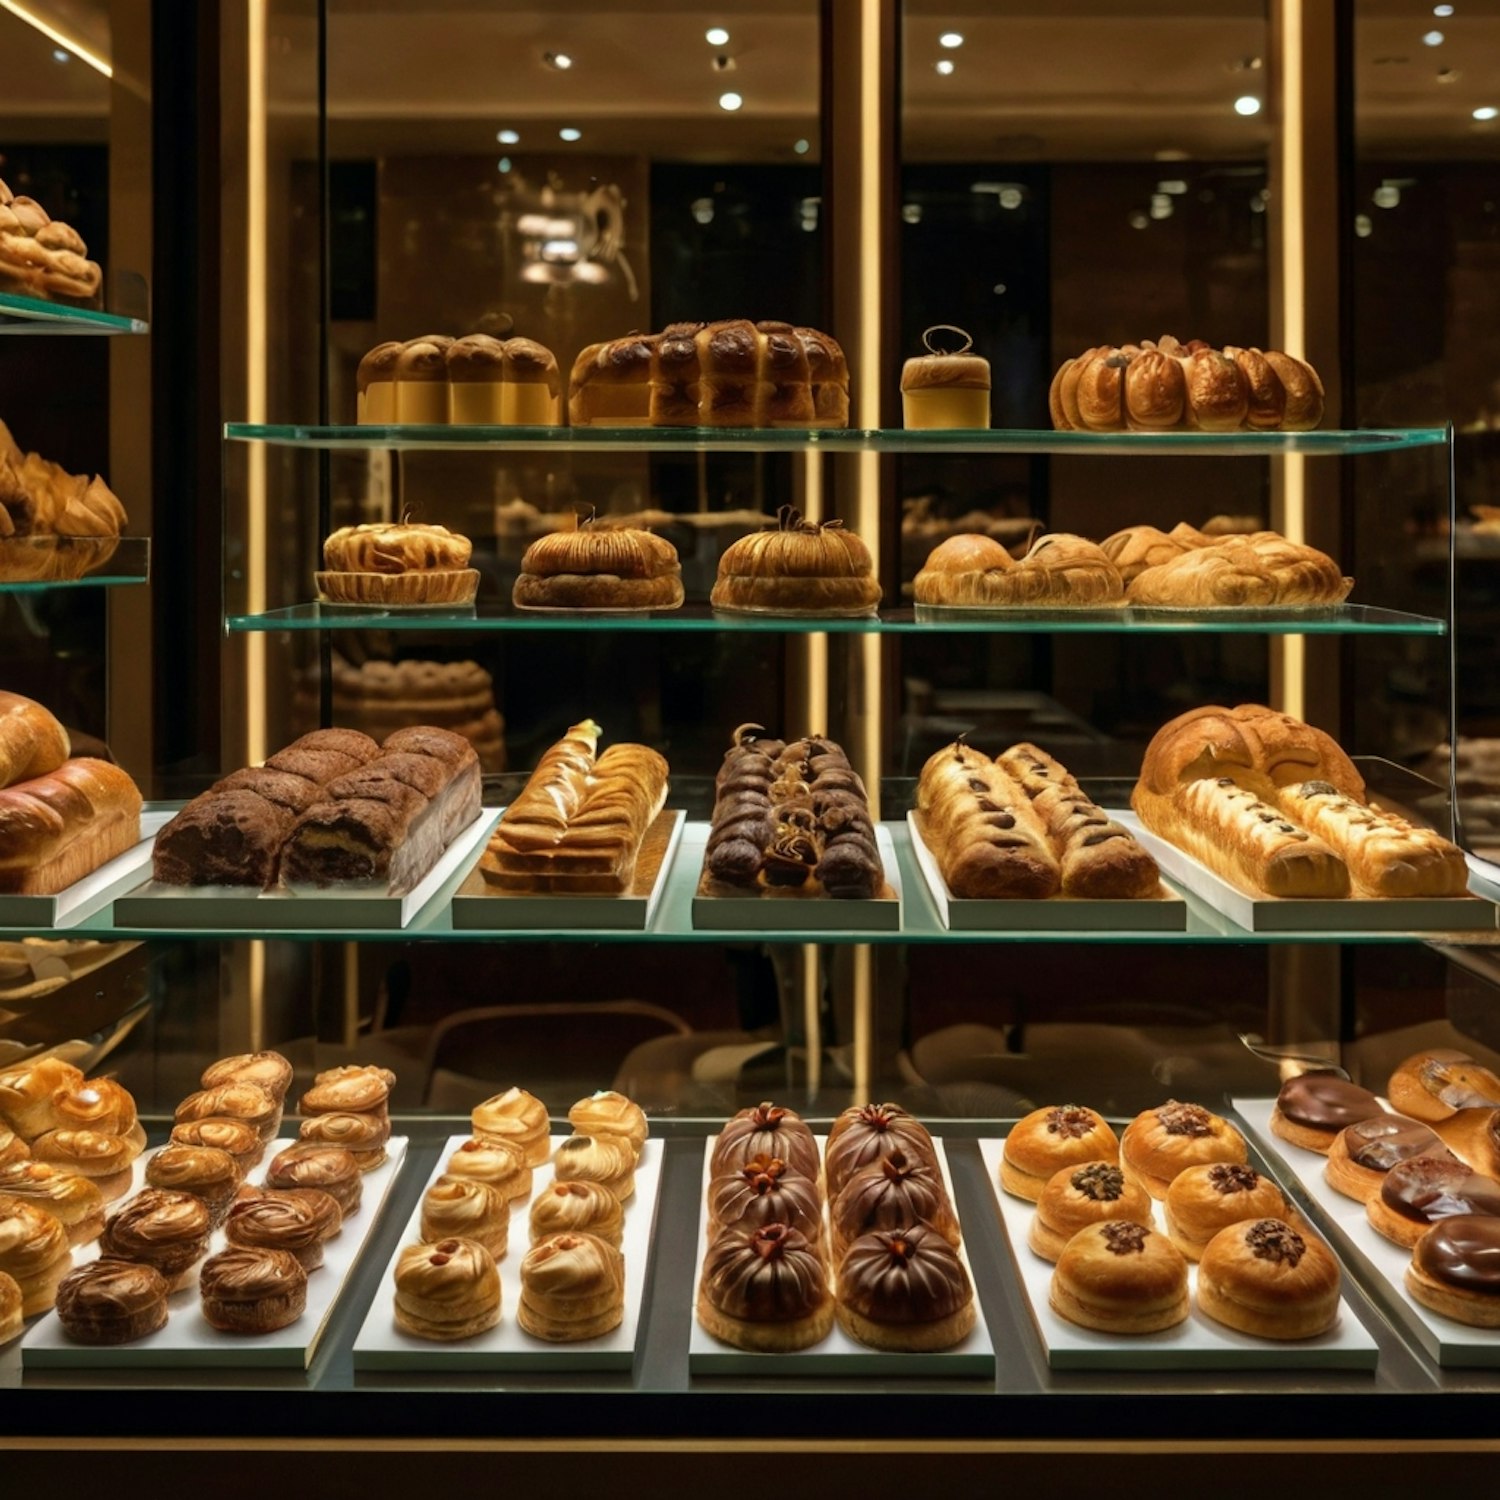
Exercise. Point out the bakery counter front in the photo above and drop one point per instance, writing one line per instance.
(418, 1338)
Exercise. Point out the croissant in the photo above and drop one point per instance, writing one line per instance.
(1260, 570)
(1060, 571)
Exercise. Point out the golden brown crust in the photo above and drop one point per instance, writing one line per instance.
(802, 565)
(1162, 1142)
(597, 591)
(240, 1140)
(447, 1291)
(236, 1101)
(203, 1171)
(395, 548)
(1433, 1085)
(268, 1069)
(297, 1221)
(1261, 571)
(74, 1201)
(1265, 1278)
(517, 1119)
(577, 1207)
(1047, 1140)
(32, 742)
(34, 1252)
(1203, 1200)
(572, 1288)
(469, 1209)
(363, 1136)
(112, 1301)
(1075, 1197)
(607, 1160)
(498, 1163)
(104, 1159)
(55, 829)
(454, 586)
(1060, 571)
(27, 1091)
(1120, 1277)
(608, 1113)
(166, 1229)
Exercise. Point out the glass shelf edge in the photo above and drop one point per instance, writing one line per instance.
(129, 563)
(35, 316)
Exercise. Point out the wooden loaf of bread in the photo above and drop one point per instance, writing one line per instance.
(32, 742)
(580, 822)
(59, 827)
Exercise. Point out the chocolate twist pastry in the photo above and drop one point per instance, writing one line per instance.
(299, 1222)
(329, 1168)
(252, 1291)
(165, 1229)
(203, 1171)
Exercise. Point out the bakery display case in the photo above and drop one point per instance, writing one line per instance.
(820, 985)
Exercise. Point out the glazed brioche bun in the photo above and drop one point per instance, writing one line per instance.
(1047, 1140)
(1204, 1200)
(1159, 1143)
(1265, 1278)
(1077, 1197)
(1120, 1277)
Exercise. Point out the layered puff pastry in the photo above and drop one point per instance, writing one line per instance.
(1021, 827)
(801, 567)
(791, 817)
(54, 525)
(1167, 386)
(1276, 807)
(395, 565)
(580, 822)
(599, 566)
(727, 374)
(1059, 571)
(42, 257)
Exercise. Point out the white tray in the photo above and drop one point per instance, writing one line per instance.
(1164, 912)
(84, 897)
(838, 1354)
(187, 1339)
(786, 911)
(217, 908)
(1312, 914)
(483, 907)
(1484, 876)
(1199, 1343)
(381, 1345)
(1448, 1342)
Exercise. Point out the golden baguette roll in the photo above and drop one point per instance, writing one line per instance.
(1098, 857)
(1059, 571)
(1386, 855)
(57, 828)
(1237, 833)
(32, 742)
(552, 794)
(984, 833)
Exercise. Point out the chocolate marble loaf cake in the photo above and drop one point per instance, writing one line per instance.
(793, 816)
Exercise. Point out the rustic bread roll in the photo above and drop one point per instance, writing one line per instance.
(1079, 1196)
(803, 567)
(598, 566)
(1120, 1277)
(1058, 572)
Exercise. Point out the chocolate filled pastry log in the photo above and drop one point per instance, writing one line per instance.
(388, 823)
(1276, 807)
(1021, 827)
(579, 823)
(793, 818)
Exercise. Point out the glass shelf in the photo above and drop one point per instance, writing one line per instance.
(673, 923)
(23, 559)
(836, 440)
(33, 315)
(1343, 619)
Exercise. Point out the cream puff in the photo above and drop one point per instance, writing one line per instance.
(578, 1208)
(1047, 1140)
(515, 1118)
(1265, 1278)
(364, 1137)
(1203, 1200)
(1077, 1197)
(447, 1291)
(1120, 1277)
(1159, 1143)
(608, 1161)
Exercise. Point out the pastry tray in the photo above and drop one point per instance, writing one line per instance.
(235, 908)
(1262, 913)
(1199, 1343)
(96, 890)
(482, 906)
(187, 1339)
(1166, 911)
(718, 906)
(381, 1345)
(1382, 1263)
(838, 1354)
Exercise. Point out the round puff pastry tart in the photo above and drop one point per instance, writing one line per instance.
(330, 1168)
(112, 1301)
(1265, 1278)
(34, 1252)
(905, 1289)
(74, 1201)
(578, 1208)
(868, 1133)
(1203, 1200)
(610, 1114)
(12, 1322)
(572, 1288)
(362, 1136)
(1120, 1277)
(469, 1209)
(252, 1291)
(26, 1094)
(269, 1069)
(1077, 1197)
(503, 1167)
(609, 1161)
(1313, 1108)
(104, 1159)
(1455, 1270)
(1047, 1140)
(765, 1290)
(518, 1119)
(1362, 1154)
(300, 1222)
(447, 1291)
(164, 1229)
(1159, 1143)
(235, 1137)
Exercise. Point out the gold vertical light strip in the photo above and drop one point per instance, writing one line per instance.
(256, 377)
(1292, 649)
(812, 1016)
(864, 1021)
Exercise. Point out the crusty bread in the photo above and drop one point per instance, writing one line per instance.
(1059, 571)
(1256, 571)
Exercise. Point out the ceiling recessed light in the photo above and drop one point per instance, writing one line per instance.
(1442, 10)
(945, 65)
(951, 39)
(570, 133)
(60, 54)
(1486, 112)
(1363, 226)
(1247, 104)
(558, 60)
(1387, 195)
(801, 147)
(716, 36)
(503, 165)
(730, 100)
(508, 137)
(1432, 38)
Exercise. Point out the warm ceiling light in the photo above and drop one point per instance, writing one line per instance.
(508, 137)
(1247, 104)
(1442, 10)
(1486, 112)
(716, 36)
(56, 34)
(1432, 38)
(801, 147)
(570, 133)
(730, 101)
(945, 65)
(951, 39)
(559, 60)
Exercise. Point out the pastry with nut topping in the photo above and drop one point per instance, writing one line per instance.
(1203, 1200)
(1077, 1197)
(1264, 1277)
(1120, 1277)
(447, 1291)
(1047, 1140)
(1159, 1143)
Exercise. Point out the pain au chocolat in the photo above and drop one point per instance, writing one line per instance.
(800, 568)
(598, 566)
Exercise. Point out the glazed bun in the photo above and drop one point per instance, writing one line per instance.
(1160, 1143)
(1076, 1197)
(1203, 1200)
(1362, 1154)
(1120, 1277)
(1047, 1140)
(1265, 1278)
